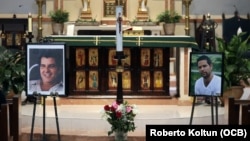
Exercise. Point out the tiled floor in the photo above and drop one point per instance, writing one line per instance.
(80, 119)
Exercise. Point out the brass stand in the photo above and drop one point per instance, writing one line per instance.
(119, 69)
(187, 18)
(40, 28)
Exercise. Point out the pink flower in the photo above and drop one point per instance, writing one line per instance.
(128, 109)
(115, 105)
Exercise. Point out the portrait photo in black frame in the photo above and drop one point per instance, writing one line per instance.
(45, 69)
(206, 74)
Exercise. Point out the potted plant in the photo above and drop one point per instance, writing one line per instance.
(236, 62)
(121, 118)
(58, 18)
(12, 70)
(169, 18)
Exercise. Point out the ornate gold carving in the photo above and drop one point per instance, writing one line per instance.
(93, 80)
(93, 57)
(126, 80)
(110, 7)
(80, 57)
(145, 57)
(158, 81)
(80, 80)
(145, 80)
(13, 39)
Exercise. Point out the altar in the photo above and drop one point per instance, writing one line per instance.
(110, 29)
(91, 65)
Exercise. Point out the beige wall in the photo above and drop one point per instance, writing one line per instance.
(154, 6)
(74, 8)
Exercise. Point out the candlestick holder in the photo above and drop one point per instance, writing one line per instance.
(119, 69)
(30, 36)
(40, 4)
(187, 3)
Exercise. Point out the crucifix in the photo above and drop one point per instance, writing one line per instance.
(119, 53)
(119, 20)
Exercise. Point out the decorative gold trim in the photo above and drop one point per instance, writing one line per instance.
(96, 40)
(109, 7)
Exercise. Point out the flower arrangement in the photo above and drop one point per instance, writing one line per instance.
(120, 117)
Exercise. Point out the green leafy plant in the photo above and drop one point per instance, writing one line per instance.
(12, 70)
(169, 17)
(120, 117)
(236, 62)
(59, 16)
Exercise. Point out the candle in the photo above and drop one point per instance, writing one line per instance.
(119, 28)
(29, 23)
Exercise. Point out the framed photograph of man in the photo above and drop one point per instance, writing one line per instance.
(206, 74)
(45, 68)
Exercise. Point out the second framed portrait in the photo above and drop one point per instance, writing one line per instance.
(206, 74)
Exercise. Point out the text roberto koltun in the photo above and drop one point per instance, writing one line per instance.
(197, 131)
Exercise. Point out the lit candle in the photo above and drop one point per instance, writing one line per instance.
(119, 28)
(29, 23)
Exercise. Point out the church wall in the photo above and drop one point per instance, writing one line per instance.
(154, 6)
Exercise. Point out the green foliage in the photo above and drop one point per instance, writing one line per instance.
(59, 16)
(120, 117)
(236, 64)
(169, 17)
(12, 70)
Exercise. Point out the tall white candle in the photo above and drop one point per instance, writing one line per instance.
(119, 29)
(29, 23)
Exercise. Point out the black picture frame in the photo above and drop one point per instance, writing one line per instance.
(33, 53)
(217, 59)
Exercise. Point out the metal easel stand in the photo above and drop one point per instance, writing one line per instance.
(44, 108)
(213, 98)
